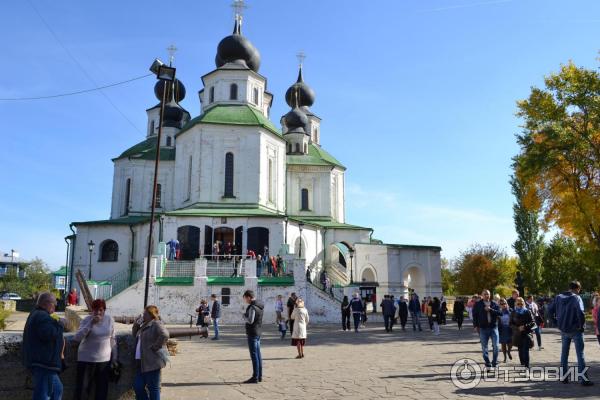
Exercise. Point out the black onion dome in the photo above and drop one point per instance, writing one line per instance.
(179, 90)
(305, 94)
(296, 121)
(173, 115)
(236, 48)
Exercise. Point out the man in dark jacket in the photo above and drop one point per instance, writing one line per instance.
(291, 304)
(389, 310)
(414, 306)
(459, 312)
(253, 317)
(357, 308)
(42, 347)
(215, 314)
(567, 308)
(485, 315)
(403, 312)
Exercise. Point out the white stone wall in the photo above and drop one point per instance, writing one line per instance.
(392, 265)
(141, 173)
(207, 146)
(246, 80)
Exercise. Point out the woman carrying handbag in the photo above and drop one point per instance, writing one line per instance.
(522, 325)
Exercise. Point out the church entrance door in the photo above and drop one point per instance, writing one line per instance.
(189, 242)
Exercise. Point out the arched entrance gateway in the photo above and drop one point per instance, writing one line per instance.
(368, 286)
(189, 242)
(415, 280)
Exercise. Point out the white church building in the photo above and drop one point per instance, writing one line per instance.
(230, 175)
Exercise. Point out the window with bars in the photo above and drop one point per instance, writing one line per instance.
(233, 91)
(127, 196)
(304, 200)
(158, 195)
(228, 192)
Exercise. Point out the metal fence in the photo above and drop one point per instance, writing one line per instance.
(226, 266)
(179, 269)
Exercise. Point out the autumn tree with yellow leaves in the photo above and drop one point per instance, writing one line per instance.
(559, 160)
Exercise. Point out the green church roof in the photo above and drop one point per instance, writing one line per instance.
(232, 114)
(129, 220)
(146, 150)
(316, 156)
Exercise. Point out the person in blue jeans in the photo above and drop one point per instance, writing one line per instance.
(215, 315)
(357, 307)
(42, 347)
(150, 347)
(253, 317)
(485, 316)
(568, 310)
(414, 307)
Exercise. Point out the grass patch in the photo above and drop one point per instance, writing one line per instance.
(4, 314)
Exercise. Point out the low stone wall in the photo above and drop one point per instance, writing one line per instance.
(9, 305)
(15, 380)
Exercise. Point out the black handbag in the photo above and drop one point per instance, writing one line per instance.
(114, 373)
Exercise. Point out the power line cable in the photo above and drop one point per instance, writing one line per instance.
(52, 96)
(88, 76)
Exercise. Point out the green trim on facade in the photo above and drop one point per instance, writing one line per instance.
(175, 281)
(225, 281)
(62, 271)
(316, 156)
(232, 114)
(129, 220)
(146, 150)
(232, 210)
(276, 281)
(326, 222)
(404, 246)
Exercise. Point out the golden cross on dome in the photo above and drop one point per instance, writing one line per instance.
(300, 56)
(238, 8)
(172, 50)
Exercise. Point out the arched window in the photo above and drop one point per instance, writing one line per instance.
(289, 147)
(168, 140)
(228, 175)
(297, 147)
(152, 127)
(233, 91)
(305, 148)
(211, 94)
(109, 250)
(158, 195)
(127, 196)
(255, 96)
(304, 200)
(316, 135)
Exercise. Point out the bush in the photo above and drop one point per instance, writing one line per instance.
(503, 291)
(3, 317)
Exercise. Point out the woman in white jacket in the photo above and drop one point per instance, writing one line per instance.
(300, 317)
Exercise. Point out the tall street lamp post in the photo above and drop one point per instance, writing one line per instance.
(91, 245)
(167, 75)
(300, 227)
(351, 274)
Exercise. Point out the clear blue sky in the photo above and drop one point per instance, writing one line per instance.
(417, 100)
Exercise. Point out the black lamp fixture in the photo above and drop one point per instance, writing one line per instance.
(351, 251)
(91, 246)
(163, 73)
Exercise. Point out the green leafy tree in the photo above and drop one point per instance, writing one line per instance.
(559, 159)
(529, 245)
(564, 261)
(37, 279)
(483, 267)
(448, 278)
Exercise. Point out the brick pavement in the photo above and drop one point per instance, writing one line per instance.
(367, 365)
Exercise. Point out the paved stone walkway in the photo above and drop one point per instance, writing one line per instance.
(370, 364)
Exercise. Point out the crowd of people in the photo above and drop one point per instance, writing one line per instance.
(506, 323)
